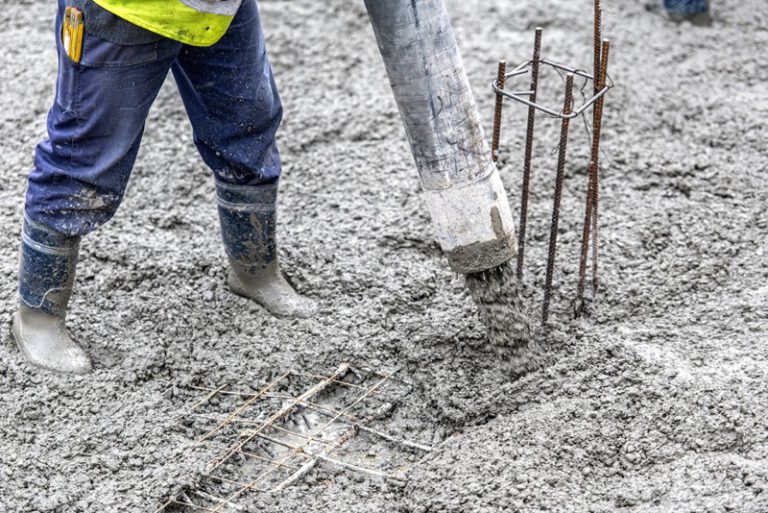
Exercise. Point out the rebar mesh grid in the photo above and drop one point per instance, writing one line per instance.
(274, 436)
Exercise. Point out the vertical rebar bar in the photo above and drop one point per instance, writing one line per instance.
(585, 234)
(595, 173)
(594, 166)
(501, 77)
(558, 194)
(528, 154)
(592, 171)
(596, 189)
(597, 39)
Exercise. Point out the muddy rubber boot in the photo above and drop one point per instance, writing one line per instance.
(46, 275)
(695, 11)
(248, 218)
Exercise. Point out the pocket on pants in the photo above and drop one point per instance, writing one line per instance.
(100, 53)
(67, 82)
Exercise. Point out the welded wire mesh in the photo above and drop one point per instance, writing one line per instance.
(272, 437)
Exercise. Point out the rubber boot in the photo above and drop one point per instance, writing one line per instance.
(248, 218)
(46, 275)
(695, 11)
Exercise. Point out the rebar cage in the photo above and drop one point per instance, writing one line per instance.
(601, 84)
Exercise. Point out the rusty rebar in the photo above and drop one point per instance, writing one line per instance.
(558, 194)
(592, 170)
(597, 38)
(528, 154)
(500, 79)
(596, 190)
(585, 234)
(590, 217)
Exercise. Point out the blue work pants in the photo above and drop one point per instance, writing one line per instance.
(97, 120)
(686, 7)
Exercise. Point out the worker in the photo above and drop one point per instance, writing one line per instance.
(695, 11)
(113, 57)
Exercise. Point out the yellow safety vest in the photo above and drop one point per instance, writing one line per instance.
(192, 22)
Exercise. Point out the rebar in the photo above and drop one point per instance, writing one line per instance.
(243, 407)
(313, 459)
(558, 194)
(258, 432)
(277, 464)
(213, 498)
(230, 481)
(250, 486)
(590, 214)
(340, 441)
(267, 460)
(351, 420)
(280, 413)
(272, 440)
(528, 154)
(303, 445)
(592, 187)
(597, 37)
(195, 507)
(299, 435)
(207, 398)
(500, 78)
(357, 401)
(357, 468)
(596, 190)
(585, 234)
(395, 439)
(595, 170)
(320, 377)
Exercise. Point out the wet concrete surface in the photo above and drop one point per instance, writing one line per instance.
(654, 403)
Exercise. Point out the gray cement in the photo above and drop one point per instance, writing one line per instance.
(501, 307)
(656, 403)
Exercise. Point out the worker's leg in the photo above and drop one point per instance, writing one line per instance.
(81, 170)
(696, 11)
(232, 101)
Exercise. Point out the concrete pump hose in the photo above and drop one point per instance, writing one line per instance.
(464, 193)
